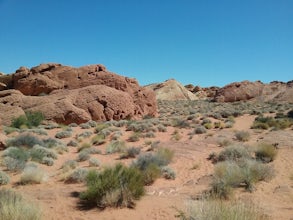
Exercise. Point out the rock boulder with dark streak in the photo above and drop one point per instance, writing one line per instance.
(66, 94)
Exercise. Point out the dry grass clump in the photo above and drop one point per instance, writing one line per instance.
(77, 176)
(115, 147)
(218, 209)
(63, 134)
(242, 135)
(32, 175)
(266, 152)
(130, 152)
(15, 206)
(278, 122)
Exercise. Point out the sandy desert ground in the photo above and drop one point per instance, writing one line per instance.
(164, 198)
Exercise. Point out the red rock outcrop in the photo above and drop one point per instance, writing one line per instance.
(246, 90)
(66, 94)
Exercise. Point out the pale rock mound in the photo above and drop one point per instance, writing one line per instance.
(171, 90)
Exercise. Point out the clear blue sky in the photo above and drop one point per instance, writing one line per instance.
(203, 42)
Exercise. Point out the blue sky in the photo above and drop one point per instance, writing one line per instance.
(202, 42)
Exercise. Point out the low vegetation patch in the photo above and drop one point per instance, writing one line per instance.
(266, 152)
(117, 186)
(29, 120)
(15, 206)
(218, 209)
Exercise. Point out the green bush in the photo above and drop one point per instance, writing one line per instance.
(30, 119)
(13, 164)
(266, 152)
(117, 186)
(4, 178)
(14, 206)
(151, 173)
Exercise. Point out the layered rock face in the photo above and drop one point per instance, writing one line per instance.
(66, 94)
(171, 90)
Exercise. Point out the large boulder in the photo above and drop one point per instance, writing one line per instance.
(66, 94)
(171, 90)
(97, 102)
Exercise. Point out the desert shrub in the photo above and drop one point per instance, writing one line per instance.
(38, 153)
(73, 125)
(161, 128)
(117, 186)
(230, 174)
(25, 140)
(72, 143)
(84, 134)
(242, 135)
(4, 178)
(254, 171)
(16, 207)
(69, 165)
(218, 209)
(208, 125)
(49, 161)
(218, 124)
(176, 135)
(13, 164)
(151, 173)
(60, 148)
(115, 147)
(180, 123)
(9, 130)
(77, 176)
(200, 130)
(83, 156)
(223, 142)
(228, 124)
(134, 137)
(98, 139)
(226, 176)
(30, 119)
(84, 146)
(130, 152)
(266, 152)
(63, 134)
(168, 173)
(100, 127)
(164, 155)
(233, 152)
(268, 122)
(37, 131)
(149, 134)
(94, 162)
(85, 126)
(51, 142)
(17, 153)
(32, 175)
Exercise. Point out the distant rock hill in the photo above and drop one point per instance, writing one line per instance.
(171, 90)
(237, 91)
(66, 94)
